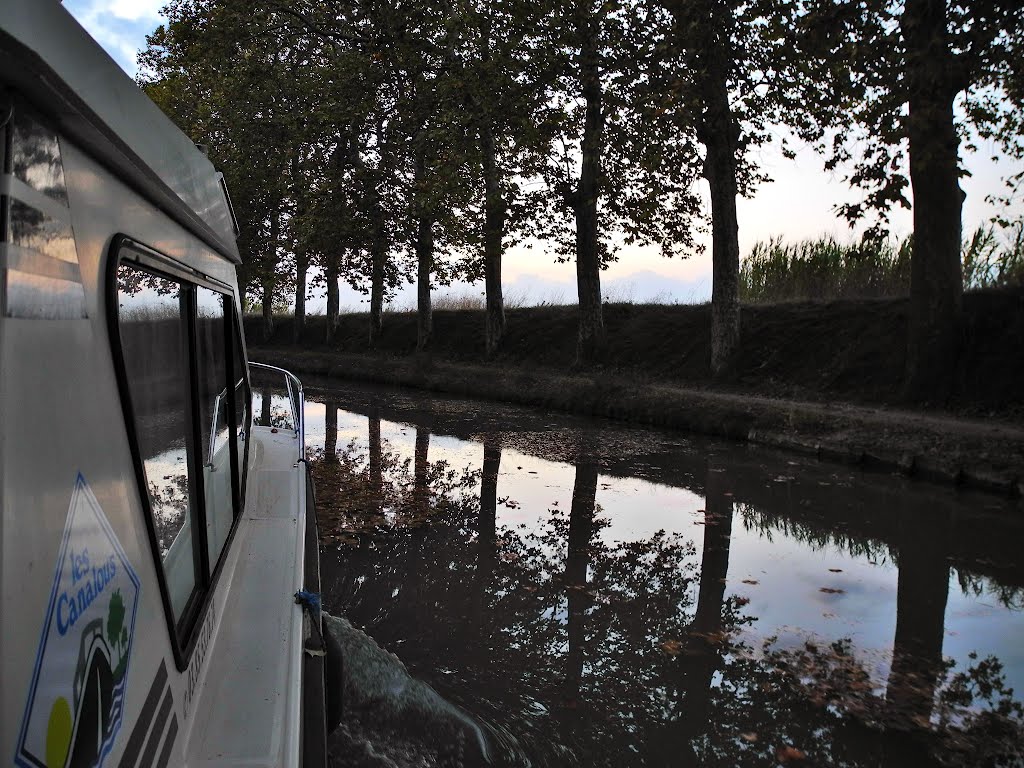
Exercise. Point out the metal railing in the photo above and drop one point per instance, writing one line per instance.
(296, 402)
(221, 396)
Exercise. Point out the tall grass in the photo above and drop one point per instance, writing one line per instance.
(513, 298)
(824, 269)
(993, 262)
(827, 269)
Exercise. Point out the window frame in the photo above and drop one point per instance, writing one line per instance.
(183, 632)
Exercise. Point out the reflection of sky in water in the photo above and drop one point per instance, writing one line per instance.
(786, 599)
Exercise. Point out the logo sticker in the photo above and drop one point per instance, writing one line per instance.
(76, 699)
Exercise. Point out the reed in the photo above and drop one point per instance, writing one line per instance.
(819, 269)
(823, 269)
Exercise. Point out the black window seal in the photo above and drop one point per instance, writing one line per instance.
(183, 634)
(7, 108)
(240, 464)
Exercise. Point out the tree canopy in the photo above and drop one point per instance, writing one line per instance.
(376, 143)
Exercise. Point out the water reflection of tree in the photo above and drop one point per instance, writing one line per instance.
(579, 636)
(168, 498)
(823, 531)
(582, 652)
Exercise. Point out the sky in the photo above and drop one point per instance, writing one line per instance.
(800, 203)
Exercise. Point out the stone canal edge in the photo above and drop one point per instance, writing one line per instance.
(986, 455)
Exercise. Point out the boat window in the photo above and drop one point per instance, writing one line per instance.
(214, 417)
(39, 273)
(187, 407)
(154, 343)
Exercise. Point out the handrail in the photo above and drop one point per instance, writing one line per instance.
(296, 402)
(213, 427)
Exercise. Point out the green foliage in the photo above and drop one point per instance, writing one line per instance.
(341, 125)
(647, 170)
(824, 269)
(991, 261)
(855, 74)
(813, 270)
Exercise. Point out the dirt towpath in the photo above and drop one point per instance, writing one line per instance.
(986, 454)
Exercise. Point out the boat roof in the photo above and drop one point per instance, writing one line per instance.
(55, 64)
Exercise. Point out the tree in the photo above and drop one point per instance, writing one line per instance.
(719, 78)
(218, 70)
(603, 168)
(440, 149)
(494, 60)
(917, 78)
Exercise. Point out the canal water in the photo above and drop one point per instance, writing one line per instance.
(597, 594)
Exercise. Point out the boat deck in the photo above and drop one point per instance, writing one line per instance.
(248, 693)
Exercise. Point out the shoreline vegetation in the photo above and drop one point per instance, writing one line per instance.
(820, 378)
(377, 145)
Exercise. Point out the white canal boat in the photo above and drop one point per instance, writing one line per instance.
(153, 539)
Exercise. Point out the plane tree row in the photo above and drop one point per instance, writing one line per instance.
(404, 140)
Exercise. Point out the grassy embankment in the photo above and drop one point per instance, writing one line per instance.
(816, 353)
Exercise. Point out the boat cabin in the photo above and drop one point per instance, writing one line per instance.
(154, 535)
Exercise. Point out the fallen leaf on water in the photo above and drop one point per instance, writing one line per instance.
(742, 600)
(830, 591)
(789, 755)
(712, 638)
(836, 570)
(751, 581)
(672, 647)
(751, 737)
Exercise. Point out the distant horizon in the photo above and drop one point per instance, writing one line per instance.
(799, 205)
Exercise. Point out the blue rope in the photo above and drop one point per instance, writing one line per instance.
(310, 602)
(308, 599)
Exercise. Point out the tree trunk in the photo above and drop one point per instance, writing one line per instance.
(702, 653)
(331, 431)
(268, 308)
(270, 277)
(487, 547)
(494, 230)
(936, 278)
(581, 531)
(424, 262)
(378, 263)
(424, 247)
(411, 597)
(922, 591)
(265, 402)
(376, 465)
(301, 260)
(301, 267)
(591, 339)
(718, 133)
(332, 298)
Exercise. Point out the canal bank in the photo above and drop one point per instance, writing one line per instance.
(986, 454)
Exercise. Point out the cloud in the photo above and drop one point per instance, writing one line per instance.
(132, 10)
(119, 26)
